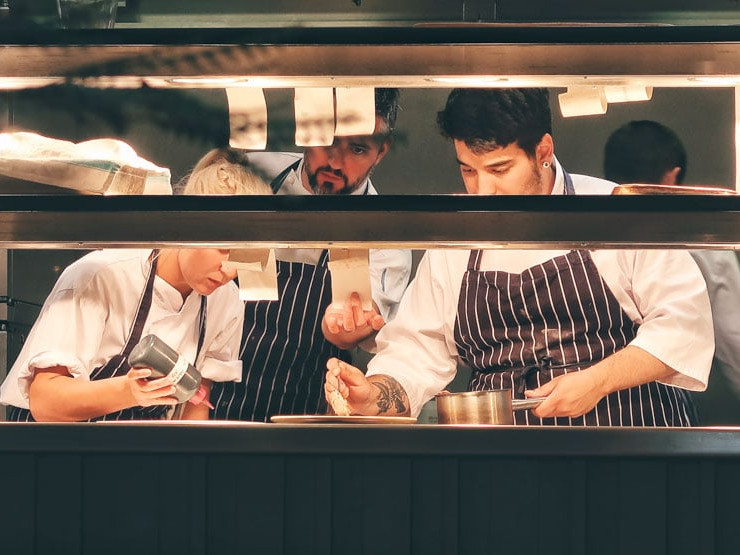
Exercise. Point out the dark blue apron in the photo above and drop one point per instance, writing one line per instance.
(118, 365)
(283, 351)
(519, 331)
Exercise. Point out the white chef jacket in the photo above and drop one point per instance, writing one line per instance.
(390, 269)
(661, 290)
(721, 270)
(89, 313)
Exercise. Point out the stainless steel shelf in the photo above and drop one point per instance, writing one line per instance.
(382, 221)
(445, 56)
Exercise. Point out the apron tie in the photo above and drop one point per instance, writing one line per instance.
(521, 375)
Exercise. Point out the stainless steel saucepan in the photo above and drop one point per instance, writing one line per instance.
(481, 407)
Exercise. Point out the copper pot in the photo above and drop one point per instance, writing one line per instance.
(481, 407)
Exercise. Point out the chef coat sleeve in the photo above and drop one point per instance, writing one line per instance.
(416, 347)
(390, 270)
(721, 271)
(219, 360)
(68, 333)
(676, 319)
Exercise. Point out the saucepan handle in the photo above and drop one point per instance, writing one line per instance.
(523, 404)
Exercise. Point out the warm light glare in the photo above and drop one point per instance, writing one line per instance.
(17, 83)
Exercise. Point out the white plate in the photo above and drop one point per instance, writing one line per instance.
(334, 419)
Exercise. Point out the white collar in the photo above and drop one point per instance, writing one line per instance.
(559, 186)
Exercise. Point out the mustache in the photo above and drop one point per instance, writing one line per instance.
(328, 169)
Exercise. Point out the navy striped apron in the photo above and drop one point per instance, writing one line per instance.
(519, 331)
(283, 351)
(118, 365)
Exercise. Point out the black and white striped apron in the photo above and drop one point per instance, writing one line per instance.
(283, 352)
(519, 331)
(118, 365)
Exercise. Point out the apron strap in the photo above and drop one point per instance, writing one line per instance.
(474, 260)
(568, 189)
(144, 305)
(276, 183)
(201, 325)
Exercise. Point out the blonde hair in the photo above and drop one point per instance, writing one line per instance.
(224, 171)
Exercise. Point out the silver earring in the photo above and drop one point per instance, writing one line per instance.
(545, 165)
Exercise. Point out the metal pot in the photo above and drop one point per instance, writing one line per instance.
(481, 407)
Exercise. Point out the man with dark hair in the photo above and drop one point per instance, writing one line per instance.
(609, 337)
(286, 343)
(644, 151)
(648, 152)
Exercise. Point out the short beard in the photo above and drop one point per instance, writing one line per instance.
(327, 188)
(534, 186)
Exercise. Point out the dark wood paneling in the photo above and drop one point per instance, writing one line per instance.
(308, 505)
(182, 505)
(602, 514)
(727, 508)
(434, 506)
(367, 503)
(560, 507)
(245, 507)
(642, 507)
(371, 499)
(121, 502)
(58, 504)
(18, 504)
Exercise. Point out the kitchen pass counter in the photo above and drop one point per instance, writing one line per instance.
(226, 487)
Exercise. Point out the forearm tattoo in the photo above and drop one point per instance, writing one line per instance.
(390, 396)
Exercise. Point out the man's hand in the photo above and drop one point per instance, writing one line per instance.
(378, 395)
(576, 393)
(345, 326)
(571, 395)
(351, 384)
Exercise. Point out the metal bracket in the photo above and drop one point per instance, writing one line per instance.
(10, 301)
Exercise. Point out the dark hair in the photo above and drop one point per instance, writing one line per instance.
(486, 119)
(386, 107)
(642, 152)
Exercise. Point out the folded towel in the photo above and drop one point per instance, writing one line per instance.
(99, 166)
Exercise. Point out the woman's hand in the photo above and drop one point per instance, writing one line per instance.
(148, 393)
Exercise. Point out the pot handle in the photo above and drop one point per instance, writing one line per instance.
(523, 404)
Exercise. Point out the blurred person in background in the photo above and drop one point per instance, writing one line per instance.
(645, 151)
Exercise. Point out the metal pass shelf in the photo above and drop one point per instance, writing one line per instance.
(423, 56)
(410, 221)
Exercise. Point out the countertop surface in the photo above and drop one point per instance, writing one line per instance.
(363, 439)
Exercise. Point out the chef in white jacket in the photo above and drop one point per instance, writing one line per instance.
(74, 365)
(610, 337)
